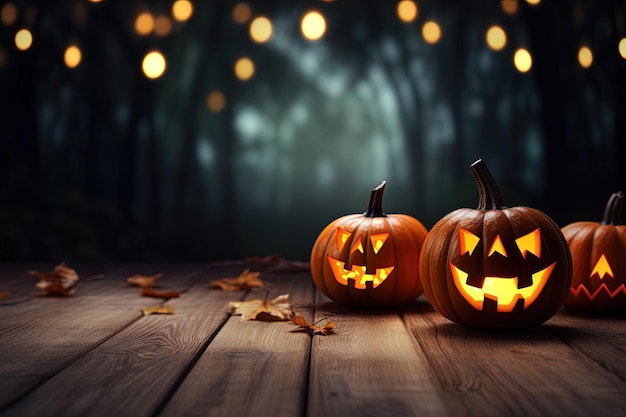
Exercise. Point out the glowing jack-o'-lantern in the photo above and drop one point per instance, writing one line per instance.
(369, 260)
(599, 259)
(495, 267)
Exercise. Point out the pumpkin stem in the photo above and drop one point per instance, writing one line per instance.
(375, 203)
(613, 209)
(488, 194)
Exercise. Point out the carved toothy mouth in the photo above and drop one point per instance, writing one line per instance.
(591, 295)
(357, 274)
(503, 291)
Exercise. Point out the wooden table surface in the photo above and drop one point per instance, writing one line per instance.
(95, 354)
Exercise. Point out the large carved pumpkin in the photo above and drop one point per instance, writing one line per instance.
(369, 260)
(599, 258)
(495, 267)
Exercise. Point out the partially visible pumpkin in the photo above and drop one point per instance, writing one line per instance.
(599, 257)
(495, 267)
(369, 260)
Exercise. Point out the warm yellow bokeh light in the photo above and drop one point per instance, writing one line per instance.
(153, 64)
(241, 13)
(216, 101)
(261, 29)
(509, 6)
(496, 38)
(8, 14)
(182, 10)
(523, 60)
(533, 2)
(72, 56)
(144, 23)
(95, 1)
(244, 68)
(23, 39)
(585, 57)
(407, 10)
(313, 25)
(431, 32)
(162, 26)
(622, 48)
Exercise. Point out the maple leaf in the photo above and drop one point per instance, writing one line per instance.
(327, 328)
(62, 280)
(157, 310)
(144, 281)
(278, 307)
(245, 280)
(149, 292)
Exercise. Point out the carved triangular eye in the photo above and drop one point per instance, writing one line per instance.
(342, 238)
(530, 243)
(467, 241)
(497, 246)
(378, 240)
(357, 245)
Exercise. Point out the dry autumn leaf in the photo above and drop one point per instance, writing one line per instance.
(246, 280)
(62, 280)
(157, 310)
(144, 281)
(278, 307)
(327, 328)
(149, 292)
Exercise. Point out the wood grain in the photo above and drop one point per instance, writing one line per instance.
(252, 368)
(529, 373)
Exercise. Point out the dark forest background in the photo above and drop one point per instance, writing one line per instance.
(101, 163)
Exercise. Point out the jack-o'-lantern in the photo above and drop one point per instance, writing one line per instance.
(369, 260)
(495, 267)
(599, 259)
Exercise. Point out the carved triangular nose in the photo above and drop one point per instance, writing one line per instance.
(497, 246)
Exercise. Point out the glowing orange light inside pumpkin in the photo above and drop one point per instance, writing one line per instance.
(602, 268)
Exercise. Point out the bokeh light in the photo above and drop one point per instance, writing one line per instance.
(144, 23)
(523, 60)
(241, 13)
(162, 25)
(72, 56)
(533, 2)
(407, 10)
(8, 14)
(509, 6)
(244, 68)
(153, 64)
(622, 48)
(261, 29)
(313, 25)
(23, 39)
(216, 101)
(585, 57)
(496, 38)
(431, 32)
(182, 10)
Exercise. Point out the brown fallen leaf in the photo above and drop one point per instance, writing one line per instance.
(327, 328)
(246, 280)
(276, 263)
(149, 292)
(157, 310)
(61, 281)
(144, 281)
(278, 307)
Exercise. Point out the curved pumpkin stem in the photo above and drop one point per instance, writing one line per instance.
(613, 209)
(488, 194)
(375, 203)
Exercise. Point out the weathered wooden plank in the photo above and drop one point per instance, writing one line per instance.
(600, 337)
(370, 367)
(132, 372)
(43, 335)
(252, 368)
(527, 373)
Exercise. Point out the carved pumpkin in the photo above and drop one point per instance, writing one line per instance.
(369, 260)
(495, 267)
(599, 259)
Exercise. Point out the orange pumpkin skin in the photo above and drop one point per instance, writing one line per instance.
(599, 258)
(369, 260)
(493, 267)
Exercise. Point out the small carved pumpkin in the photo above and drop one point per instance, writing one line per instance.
(495, 267)
(369, 260)
(599, 259)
